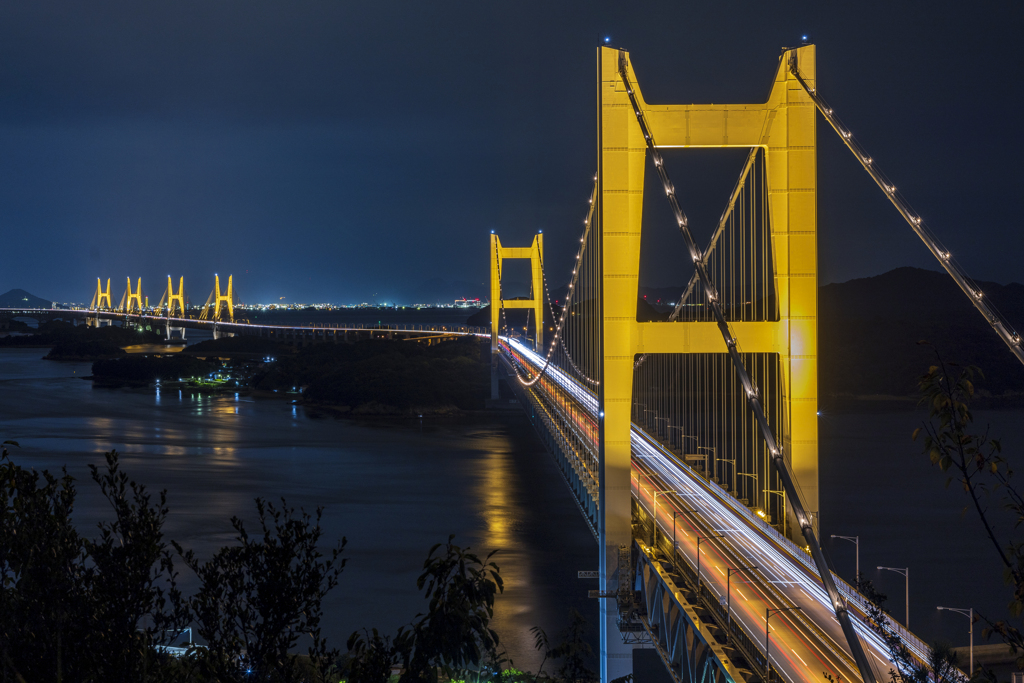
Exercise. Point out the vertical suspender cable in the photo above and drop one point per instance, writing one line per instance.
(753, 399)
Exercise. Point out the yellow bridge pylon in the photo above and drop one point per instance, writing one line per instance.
(535, 252)
(170, 298)
(132, 300)
(216, 299)
(99, 297)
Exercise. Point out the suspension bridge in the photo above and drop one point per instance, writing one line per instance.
(691, 445)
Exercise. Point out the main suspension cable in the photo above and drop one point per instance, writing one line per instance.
(753, 397)
(557, 338)
(1011, 337)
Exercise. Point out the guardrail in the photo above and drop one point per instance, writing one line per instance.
(795, 551)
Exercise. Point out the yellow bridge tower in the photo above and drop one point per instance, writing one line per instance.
(783, 129)
(170, 298)
(535, 252)
(216, 299)
(99, 298)
(131, 299)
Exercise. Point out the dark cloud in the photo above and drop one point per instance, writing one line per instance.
(332, 150)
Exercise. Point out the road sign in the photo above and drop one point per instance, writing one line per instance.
(588, 575)
(602, 594)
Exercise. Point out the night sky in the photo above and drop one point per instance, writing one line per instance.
(343, 152)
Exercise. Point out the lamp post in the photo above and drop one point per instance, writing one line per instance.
(733, 461)
(768, 615)
(699, 539)
(969, 613)
(728, 598)
(754, 477)
(713, 472)
(654, 534)
(905, 571)
(675, 547)
(856, 541)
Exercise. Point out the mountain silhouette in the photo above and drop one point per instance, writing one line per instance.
(19, 298)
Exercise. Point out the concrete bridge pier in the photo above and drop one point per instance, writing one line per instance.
(169, 330)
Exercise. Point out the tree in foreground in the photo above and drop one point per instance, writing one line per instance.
(975, 461)
(574, 650)
(258, 597)
(453, 637)
(73, 609)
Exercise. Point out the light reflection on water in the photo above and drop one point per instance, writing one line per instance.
(392, 488)
(395, 488)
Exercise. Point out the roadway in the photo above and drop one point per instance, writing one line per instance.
(805, 643)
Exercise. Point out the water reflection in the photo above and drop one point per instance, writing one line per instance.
(393, 488)
(499, 503)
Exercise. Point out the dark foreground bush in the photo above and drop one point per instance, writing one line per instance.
(74, 609)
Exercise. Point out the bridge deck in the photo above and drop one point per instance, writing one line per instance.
(804, 642)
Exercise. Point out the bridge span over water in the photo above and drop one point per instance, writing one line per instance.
(299, 335)
(691, 444)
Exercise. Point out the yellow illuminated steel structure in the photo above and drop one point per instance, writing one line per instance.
(784, 127)
(133, 300)
(178, 298)
(100, 297)
(216, 299)
(535, 252)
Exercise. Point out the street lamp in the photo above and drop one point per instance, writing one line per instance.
(905, 571)
(713, 473)
(699, 539)
(856, 541)
(768, 615)
(654, 534)
(969, 613)
(675, 546)
(728, 597)
(733, 461)
(754, 477)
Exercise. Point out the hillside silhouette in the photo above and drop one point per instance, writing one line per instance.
(19, 298)
(869, 331)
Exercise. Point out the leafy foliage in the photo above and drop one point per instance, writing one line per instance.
(73, 609)
(976, 462)
(574, 650)
(454, 636)
(942, 664)
(259, 596)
